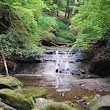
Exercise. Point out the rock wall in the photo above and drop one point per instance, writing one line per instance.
(99, 58)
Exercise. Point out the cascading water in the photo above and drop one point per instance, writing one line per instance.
(58, 70)
(61, 70)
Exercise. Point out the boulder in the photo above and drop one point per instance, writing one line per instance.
(16, 99)
(100, 103)
(9, 82)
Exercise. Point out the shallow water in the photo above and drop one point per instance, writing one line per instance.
(56, 68)
(60, 68)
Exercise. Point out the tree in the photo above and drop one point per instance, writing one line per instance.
(3, 56)
(67, 11)
(23, 32)
(92, 20)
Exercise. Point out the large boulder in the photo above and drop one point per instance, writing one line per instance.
(9, 82)
(16, 100)
(100, 103)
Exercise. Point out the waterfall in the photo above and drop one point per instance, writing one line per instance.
(57, 70)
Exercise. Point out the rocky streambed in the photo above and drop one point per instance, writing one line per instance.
(58, 79)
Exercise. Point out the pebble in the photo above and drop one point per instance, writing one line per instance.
(80, 101)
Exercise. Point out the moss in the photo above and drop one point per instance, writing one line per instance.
(35, 92)
(57, 106)
(10, 82)
(16, 99)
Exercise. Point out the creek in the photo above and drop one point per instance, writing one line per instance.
(57, 68)
(63, 73)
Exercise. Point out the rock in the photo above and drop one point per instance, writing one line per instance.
(30, 59)
(97, 103)
(41, 101)
(9, 82)
(104, 108)
(82, 71)
(80, 101)
(3, 106)
(16, 99)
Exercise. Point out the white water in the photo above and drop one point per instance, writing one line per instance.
(57, 71)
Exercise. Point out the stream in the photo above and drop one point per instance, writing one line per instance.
(57, 68)
(62, 71)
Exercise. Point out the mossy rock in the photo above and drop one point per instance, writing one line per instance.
(57, 106)
(4, 106)
(16, 99)
(9, 82)
(35, 92)
(99, 102)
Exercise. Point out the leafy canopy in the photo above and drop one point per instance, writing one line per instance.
(22, 36)
(91, 21)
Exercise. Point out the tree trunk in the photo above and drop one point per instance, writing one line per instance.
(67, 11)
(4, 60)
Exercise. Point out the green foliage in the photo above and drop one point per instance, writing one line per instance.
(60, 39)
(48, 36)
(26, 25)
(91, 21)
(50, 23)
(63, 32)
(61, 25)
(47, 22)
(66, 34)
(22, 36)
